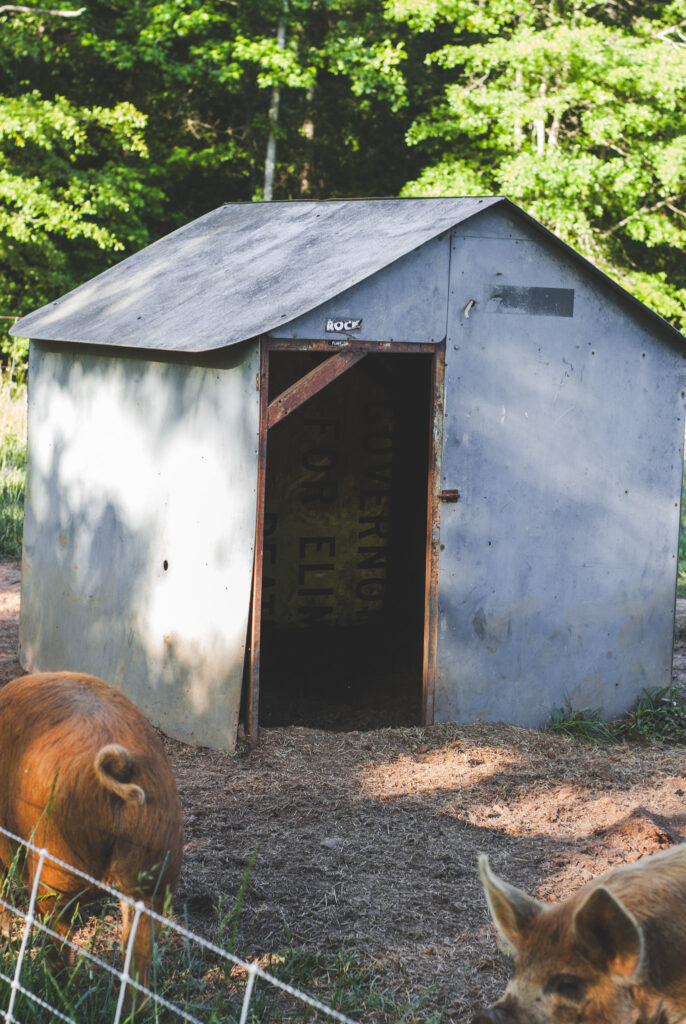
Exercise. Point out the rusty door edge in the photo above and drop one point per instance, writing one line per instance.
(252, 724)
(433, 524)
(432, 533)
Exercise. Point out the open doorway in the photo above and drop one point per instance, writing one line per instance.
(344, 556)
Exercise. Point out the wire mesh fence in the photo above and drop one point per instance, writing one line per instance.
(46, 977)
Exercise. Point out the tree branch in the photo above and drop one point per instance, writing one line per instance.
(663, 36)
(669, 201)
(17, 9)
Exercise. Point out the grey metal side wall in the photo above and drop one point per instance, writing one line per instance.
(564, 436)
(139, 527)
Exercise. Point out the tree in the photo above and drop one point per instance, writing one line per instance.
(577, 110)
(123, 122)
(205, 73)
(70, 173)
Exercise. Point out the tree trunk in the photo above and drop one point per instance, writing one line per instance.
(518, 121)
(270, 161)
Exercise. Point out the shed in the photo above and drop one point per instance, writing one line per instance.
(413, 459)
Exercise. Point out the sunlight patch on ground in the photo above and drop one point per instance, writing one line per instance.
(453, 768)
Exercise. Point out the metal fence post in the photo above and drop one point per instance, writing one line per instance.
(30, 917)
(126, 972)
(252, 970)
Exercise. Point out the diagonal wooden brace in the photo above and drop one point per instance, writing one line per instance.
(310, 384)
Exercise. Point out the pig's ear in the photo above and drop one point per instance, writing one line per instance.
(511, 909)
(608, 933)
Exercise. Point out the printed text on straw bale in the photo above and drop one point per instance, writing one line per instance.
(83, 774)
(613, 953)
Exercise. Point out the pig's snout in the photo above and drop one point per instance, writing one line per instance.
(493, 1015)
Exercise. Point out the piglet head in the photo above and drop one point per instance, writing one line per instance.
(576, 962)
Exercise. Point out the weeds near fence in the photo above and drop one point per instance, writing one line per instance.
(12, 466)
(12, 472)
(191, 979)
(659, 716)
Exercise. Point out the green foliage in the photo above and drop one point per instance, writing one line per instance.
(681, 584)
(585, 725)
(15, 357)
(577, 112)
(12, 472)
(120, 124)
(205, 70)
(229, 916)
(659, 716)
(71, 189)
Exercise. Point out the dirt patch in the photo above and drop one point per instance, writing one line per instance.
(368, 840)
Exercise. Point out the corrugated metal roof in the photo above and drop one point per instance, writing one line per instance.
(247, 268)
(241, 270)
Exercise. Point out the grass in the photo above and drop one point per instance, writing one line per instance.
(188, 976)
(586, 725)
(12, 472)
(659, 716)
(681, 579)
(199, 982)
(12, 467)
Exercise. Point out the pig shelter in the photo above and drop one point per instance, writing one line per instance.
(413, 458)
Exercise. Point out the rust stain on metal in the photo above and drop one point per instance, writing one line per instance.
(433, 525)
(252, 724)
(331, 345)
(311, 383)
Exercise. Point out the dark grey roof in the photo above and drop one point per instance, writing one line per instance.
(247, 268)
(242, 270)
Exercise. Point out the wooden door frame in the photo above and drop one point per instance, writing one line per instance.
(343, 356)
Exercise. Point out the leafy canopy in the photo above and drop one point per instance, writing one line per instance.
(136, 116)
(578, 112)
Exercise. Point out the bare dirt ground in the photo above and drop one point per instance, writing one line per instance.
(367, 841)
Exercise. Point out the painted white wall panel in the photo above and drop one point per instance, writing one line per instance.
(139, 532)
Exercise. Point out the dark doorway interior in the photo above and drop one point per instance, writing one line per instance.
(343, 587)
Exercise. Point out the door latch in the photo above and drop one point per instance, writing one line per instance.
(450, 496)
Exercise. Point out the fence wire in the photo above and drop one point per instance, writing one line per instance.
(134, 1001)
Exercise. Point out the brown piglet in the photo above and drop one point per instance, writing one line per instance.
(84, 775)
(613, 953)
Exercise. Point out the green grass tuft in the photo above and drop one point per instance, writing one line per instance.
(681, 579)
(659, 716)
(12, 473)
(585, 725)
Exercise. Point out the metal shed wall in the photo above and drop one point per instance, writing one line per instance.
(564, 415)
(563, 434)
(407, 301)
(139, 527)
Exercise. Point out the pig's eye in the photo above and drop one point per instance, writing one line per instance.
(569, 986)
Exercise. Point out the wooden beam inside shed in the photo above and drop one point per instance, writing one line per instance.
(310, 384)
